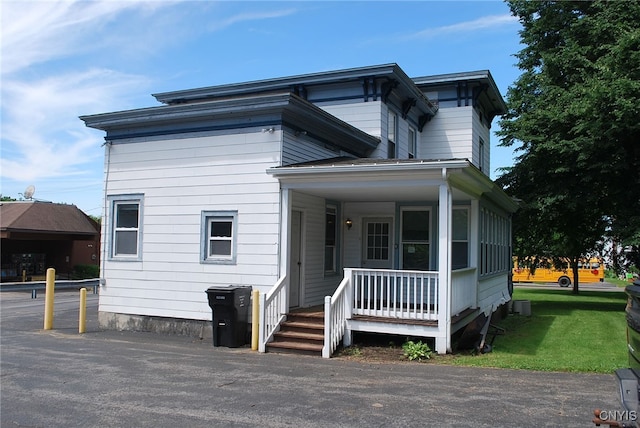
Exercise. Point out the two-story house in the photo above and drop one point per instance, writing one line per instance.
(360, 190)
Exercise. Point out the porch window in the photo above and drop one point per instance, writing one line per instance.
(460, 238)
(415, 239)
(219, 237)
(330, 240)
(495, 242)
(412, 143)
(392, 130)
(125, 227)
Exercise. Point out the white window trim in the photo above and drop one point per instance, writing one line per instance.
(113, 202)
(392, 134)
(429, 240)
(463, 208)
(336, 247)
(413, 143)
(206, 218)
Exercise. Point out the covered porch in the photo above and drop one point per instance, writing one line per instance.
(388, 246)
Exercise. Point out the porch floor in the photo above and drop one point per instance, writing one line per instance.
(319, 311)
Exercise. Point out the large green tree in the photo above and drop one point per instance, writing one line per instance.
(574, 121)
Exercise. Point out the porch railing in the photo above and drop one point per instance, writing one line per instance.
(463, 289)
(337, 309)
(400, 294)
(273, 310)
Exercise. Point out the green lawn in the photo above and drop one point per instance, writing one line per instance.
(583, 333)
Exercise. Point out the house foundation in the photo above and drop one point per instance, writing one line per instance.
(143, 323)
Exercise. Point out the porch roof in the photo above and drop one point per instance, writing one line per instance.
(369, 179)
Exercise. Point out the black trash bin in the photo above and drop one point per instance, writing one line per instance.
(230, 307)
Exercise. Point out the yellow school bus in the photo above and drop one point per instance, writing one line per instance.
(588, 271)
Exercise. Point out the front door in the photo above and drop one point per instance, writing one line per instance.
(295, 261)
(377, 243)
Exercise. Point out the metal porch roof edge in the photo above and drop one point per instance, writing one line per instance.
(340, 165)
(465, 172)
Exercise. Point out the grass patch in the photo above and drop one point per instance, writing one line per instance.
(622, 283)
(566, 332)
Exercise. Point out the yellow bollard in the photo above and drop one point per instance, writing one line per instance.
(24, 275)
(255, 315)
(82, 322)
(49, 298)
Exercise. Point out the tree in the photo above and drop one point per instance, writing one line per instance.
(573, 120)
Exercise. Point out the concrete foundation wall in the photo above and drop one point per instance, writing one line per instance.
(174, 326)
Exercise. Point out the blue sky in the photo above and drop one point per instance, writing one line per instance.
(61, 60)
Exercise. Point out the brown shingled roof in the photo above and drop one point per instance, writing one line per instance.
(43, 217)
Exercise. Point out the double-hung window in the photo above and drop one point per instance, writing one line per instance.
(460, 239)
(125, 227)
(219, 230)
(412, 143)
(331, 240)
(392, 131)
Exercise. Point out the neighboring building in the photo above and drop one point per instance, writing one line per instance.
(39, 235)
(363, 178)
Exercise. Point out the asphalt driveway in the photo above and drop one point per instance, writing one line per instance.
(60, 378)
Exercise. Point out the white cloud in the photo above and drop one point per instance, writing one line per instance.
(483, 23)
(45, 86)
(42, 135)
(38, 31)
(251, 16)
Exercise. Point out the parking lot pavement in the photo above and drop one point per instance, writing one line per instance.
(60, 378)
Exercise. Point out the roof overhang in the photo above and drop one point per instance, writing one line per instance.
(241, 113)
(390, 76)
(482, 80)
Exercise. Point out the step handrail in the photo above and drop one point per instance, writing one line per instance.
(337, 309)
(273, 310)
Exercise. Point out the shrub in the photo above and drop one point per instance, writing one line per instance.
(85, 272)
(416, 350)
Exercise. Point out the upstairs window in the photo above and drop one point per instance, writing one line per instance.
(392, 131)
(481, 155)
(412, 143)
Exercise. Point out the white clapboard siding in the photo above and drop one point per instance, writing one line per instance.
(480, 130)
(492, 291)
(298, 150)
(317, 285)
(364, 116)
(180, 178)
(448, 135)
(356, 211)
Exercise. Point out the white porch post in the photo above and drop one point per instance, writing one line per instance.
(285, 243)
(443, 341)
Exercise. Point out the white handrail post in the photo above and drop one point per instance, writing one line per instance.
(347, 339)
(262, 326)
(326, 349)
